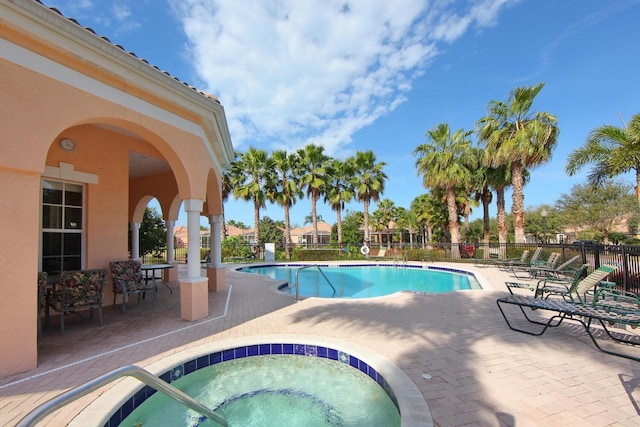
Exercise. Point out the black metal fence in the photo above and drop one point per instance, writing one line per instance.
(627, 257)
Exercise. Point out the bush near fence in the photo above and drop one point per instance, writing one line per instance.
(328, 254)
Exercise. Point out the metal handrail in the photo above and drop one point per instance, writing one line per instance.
(321, 272)
(126, 371)
(396, 261)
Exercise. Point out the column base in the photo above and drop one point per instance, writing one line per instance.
(217, 279)
(194, 299)
(171, 274)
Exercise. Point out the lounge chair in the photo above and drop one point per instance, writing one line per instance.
(570, 280)
(547, 269)
(577, 290)
(508, 265)
(522, 271)
(381, 253)
(600, 310)
(503, 262)
(563, 271)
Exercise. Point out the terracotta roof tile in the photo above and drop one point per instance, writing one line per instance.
(205, 94)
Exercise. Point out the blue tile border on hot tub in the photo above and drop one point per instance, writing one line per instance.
(249, 351)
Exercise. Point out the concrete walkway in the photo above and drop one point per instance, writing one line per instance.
(480, 372)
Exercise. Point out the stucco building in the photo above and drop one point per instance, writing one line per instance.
(90, 134)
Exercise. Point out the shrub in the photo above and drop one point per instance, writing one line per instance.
(467, 251)
(317, 254)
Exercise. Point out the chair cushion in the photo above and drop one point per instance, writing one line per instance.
(128, 274)
(78, 288)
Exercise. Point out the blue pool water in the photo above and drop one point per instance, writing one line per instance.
(275, 390)
(365, 281)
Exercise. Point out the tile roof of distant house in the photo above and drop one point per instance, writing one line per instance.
(205, 94)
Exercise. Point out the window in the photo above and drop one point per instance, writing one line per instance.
(62, 226)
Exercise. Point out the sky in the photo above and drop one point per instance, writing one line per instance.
(377, 74)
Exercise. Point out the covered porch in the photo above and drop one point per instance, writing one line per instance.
(91, 133)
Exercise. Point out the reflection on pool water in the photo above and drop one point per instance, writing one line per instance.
(275, 390)
(356, 281)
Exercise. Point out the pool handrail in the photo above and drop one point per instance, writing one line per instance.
(321, 272)
(32, 418)
(396, 261)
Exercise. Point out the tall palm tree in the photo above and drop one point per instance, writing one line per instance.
(368, 179)
(284, 189)
(254, 167)
(339, 190)
(612, 151)
(516, 136)
(499, 179)
(227, 190)
(313, 174)
(484, 195)
(444, 162)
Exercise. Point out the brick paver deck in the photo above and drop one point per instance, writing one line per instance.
(479, 372)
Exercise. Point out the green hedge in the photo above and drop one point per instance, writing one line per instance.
(317, 254)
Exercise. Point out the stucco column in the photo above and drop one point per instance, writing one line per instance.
(193, 208)
(171, 274)
(170, 249)
(216, 242)
(194, 295)
(215, 270)
(135, 241)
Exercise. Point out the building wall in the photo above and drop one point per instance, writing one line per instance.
(42, 111)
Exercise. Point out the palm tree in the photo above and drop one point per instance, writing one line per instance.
(612, 150)
(386, 213)
(483, 195)
(499, 179)
(284, 189)
(254, 169)
(339, 190)
(227, 189)
(520, 138)
(308, 219)
(444, 162)
(313, 170)
(407, 220)
(368, 180)
(427, 213)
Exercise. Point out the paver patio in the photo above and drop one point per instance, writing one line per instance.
(480, 372)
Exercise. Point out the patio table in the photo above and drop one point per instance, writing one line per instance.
(153, 268)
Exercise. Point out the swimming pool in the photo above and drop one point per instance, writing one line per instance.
(365, 281)
(117, 403)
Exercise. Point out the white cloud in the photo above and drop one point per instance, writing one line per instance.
(291, 72)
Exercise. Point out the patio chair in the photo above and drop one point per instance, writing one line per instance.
(42, 300)
(128, 279)
(78, 290)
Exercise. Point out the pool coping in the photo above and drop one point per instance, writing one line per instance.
(414, 410)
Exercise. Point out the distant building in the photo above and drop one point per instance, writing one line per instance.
(303, 236)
